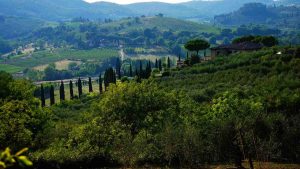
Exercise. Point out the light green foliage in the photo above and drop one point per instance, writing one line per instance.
(8, 160)
(20, 114)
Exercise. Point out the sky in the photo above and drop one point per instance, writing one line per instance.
(134, 1)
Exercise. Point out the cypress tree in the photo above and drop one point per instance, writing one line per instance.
(179, 58)
(136, 72)
(187, 55)
(79, 87)
(114, 77)
(100, 84)
(52, 98)
(90, 85)
(130, 70)
(169, 63)
(62, 91)
(109, 77)
(141, 66)
(156, 64)
(106, 79)
(43, 96)
(118, 68)
(148, 69)
(159, 65)
(71, 90)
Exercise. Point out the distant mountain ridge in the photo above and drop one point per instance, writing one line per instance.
(60, 10)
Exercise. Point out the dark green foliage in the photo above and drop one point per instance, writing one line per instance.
(168, 63)
(125, 79)
(52, 97)
(136, 72)
(159, 65)
(62, 91)
(79, 85)
(141, 67)
(156, 63)
(71, 90)
(148, 70)
(297, 52)
(90, 85)
(5, 80)
(43, 96)
(194, 59)
(118, 68)
(196, 45)
(109, 77)
(267, 41)
(130, 70)
(100, 84)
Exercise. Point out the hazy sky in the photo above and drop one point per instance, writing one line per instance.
(133, 1)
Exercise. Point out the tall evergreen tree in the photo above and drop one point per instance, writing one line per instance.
(100, 84)
(90, 85)
(179, 57)
(156, 63)
(148, 69)
(130, 70)
(169, 63)
(141, 66)
(71, 90)
(79, 87)
(136, 72)
(43, 96)
(62, 91)
(118, 68)
(52, 97)
(159, 65)
(114, 77)
(109, 77)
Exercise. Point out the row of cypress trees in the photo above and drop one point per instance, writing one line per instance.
(109, 77)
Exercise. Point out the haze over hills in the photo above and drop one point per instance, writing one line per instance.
(59, 10)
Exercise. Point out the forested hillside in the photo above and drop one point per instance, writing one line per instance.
(242, 106)
(257, 13)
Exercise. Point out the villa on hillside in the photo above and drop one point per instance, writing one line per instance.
(235, 48)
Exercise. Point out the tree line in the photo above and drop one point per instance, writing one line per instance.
(110, 76)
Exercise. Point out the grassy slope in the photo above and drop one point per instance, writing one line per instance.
(46, 57)
(10, 68)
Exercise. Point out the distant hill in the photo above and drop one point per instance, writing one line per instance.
(61, 10)
(170, 10)
(257, 13)
(156, 30)
(12, 27)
